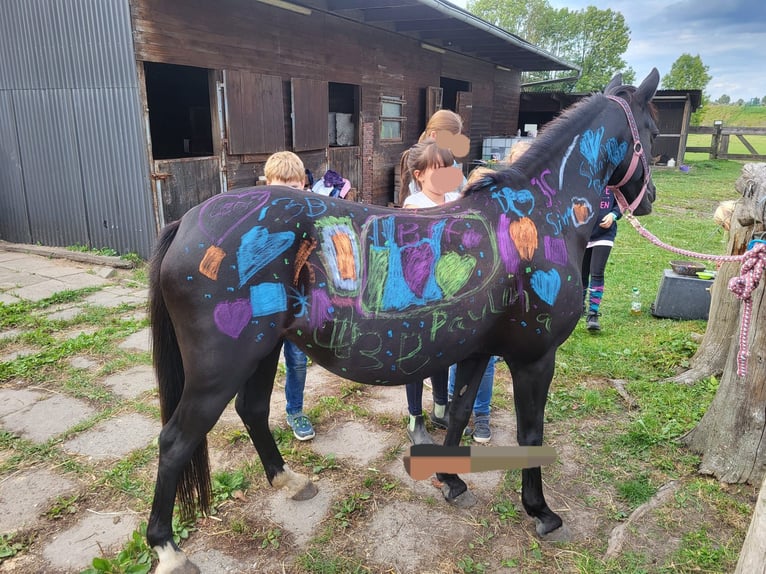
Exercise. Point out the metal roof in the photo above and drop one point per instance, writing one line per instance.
(444, 26)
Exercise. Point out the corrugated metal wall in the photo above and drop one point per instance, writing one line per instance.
(73, 162)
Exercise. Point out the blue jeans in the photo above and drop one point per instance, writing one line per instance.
(295, 379)
(484, 396)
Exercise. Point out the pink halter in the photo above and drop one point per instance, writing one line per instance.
(638, 153)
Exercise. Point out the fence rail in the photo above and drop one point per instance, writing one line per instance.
(719, 142)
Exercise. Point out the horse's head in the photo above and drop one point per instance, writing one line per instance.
(632, 177)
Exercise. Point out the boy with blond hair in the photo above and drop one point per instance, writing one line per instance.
(286, 168)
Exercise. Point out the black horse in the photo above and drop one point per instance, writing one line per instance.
(383, 296)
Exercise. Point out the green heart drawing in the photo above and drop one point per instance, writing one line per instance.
(453, 271)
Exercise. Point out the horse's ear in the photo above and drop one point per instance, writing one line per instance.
(615, 83)
(648, 87)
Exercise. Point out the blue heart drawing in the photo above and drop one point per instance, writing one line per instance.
(590, 145)
(258, 248)
(546, 285)
(615, 151)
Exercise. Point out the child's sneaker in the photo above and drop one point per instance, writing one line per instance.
(301, 426)
(481, 431)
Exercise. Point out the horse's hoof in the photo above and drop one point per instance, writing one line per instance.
(307, 492)
(173, 561)
(465, 499)
(559, 534)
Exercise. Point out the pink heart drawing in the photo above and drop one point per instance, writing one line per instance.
(223, 213)
(231, 317)
(417, 262)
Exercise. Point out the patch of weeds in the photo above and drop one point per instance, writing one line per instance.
(10, 546)
(534, 553)
(331, 404)
(283, 437)
(133, 258)
(667, 411)
(181, 528)
(579, 402)
(236, 435)
(506, 512)
(227, 484)
(124, 476)
(107, 251)
(316, 561)
(698, 552)
(62, 506)
(636, 491)
(135, 557)
(325, 463)
(270, 538)
(470, 566)
(238, 526)
(347, 508)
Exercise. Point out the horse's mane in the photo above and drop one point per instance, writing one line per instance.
(554, 133)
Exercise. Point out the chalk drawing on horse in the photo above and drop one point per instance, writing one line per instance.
(383, 296)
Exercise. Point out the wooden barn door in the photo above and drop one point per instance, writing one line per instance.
(184, 183)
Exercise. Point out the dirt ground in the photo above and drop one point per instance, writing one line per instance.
(369, 515)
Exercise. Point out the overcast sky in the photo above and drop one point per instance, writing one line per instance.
(728, 35)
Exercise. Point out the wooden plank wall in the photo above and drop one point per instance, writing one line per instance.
(247, 35)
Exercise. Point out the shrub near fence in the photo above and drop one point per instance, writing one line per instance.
(747, 144)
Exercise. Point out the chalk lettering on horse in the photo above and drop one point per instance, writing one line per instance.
(383, 296)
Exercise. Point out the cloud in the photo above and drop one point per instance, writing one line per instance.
(729, 37)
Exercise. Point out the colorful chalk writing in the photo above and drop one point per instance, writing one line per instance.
(332, 267)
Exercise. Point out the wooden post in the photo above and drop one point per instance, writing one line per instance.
(717, 124)
(752, 558)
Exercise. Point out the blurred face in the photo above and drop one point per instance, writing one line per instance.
(438, 180)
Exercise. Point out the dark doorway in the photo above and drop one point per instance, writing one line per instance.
(450, 89)
(179, 111)
(344, 114)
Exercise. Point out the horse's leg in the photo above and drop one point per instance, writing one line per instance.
(253, 402)
(531, 382)
(467, 379)
(207, 390)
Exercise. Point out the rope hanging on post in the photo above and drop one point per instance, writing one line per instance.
(743, 287)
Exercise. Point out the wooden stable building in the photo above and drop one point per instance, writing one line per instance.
(119, 115)
(674, 108)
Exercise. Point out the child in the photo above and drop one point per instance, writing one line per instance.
(286, 168)
(442, 125)
(596, 255)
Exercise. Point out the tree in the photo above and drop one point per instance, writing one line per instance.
(591, 38)
(763, 101)
(730, 434)
(723, 100)
(687, 73)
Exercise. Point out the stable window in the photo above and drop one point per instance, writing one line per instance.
(343, 130)
(392, 118)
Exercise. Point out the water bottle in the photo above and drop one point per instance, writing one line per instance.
(635, 303)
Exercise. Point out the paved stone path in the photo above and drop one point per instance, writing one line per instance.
(91, 442)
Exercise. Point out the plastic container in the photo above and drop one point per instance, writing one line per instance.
(635, 302)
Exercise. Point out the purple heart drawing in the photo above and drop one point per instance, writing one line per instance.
(417, 263)
(231, 317)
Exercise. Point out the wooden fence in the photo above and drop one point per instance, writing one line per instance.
(719, 144)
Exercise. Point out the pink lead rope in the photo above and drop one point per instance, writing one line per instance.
(743, 286)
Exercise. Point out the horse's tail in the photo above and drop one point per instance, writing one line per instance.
(193, 488)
